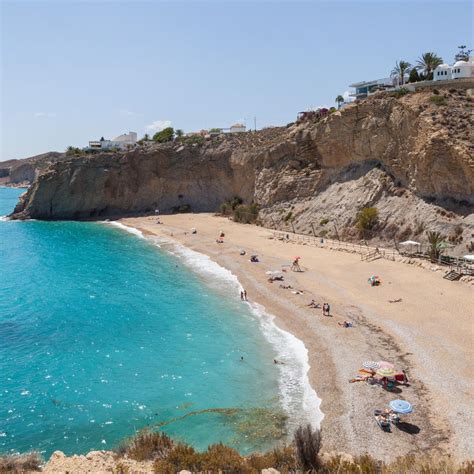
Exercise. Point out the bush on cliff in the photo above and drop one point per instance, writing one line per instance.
(367, 218)
(166, 135)
(245, 214)
(228, 207)
(73, 151)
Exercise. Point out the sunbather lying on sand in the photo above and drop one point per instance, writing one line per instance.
(345, 324)
(286, 287)
(313, 304)
(395, 301)
(297, 292)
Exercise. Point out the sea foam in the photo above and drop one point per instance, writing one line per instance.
(296, 391)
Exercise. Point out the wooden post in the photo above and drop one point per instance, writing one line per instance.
(293, 227)
(337, 233)
(314, 232)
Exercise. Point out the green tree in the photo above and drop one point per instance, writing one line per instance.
(339, 100)
(179, 133)
(401, 68)
(427, 63)
(463, 53)
(146, 137)
(437, 244)
(414, 76)
(73, 150)
(166, 135)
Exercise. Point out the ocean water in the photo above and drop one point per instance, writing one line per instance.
(103, 333)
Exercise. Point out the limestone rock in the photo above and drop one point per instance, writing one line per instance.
(408, 157)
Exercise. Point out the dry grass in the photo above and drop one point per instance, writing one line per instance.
(20, 462)
(302, 456)
(146, 446)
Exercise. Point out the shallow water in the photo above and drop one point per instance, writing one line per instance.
(103, 333)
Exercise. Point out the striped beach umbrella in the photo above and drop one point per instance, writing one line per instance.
(386, 372)
(370, 364)
(385, 365)
(401, 406)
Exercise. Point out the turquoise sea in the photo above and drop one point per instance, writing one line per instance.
(103, 333)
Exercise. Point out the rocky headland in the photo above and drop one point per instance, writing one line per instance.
(409, 155)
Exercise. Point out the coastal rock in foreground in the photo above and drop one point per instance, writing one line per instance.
(407, 155)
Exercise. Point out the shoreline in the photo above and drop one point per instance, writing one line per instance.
(270, 330)
(335, 353)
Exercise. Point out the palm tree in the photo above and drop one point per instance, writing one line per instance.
(437, 244)
(428, 62)
(401, 68)
(339, 100)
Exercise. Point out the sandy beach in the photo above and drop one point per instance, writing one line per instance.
(429, 333)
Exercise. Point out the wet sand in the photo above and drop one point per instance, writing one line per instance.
(429, 333)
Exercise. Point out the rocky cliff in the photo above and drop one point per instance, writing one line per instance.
(23, 172)
(411, 156)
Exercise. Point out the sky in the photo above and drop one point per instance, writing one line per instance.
(75, 71)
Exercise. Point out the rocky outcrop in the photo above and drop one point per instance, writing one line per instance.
(23, 172)
(406, 155)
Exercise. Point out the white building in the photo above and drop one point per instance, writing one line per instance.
(365, 88)
(459, 70)
(237, 128)
(122, 142)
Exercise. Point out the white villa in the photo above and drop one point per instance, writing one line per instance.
(365, 88)
(459, 70)
(237, 128)
(122, 142)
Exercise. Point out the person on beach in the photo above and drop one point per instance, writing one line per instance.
(241, 295)
(326, 309)
(245, 295)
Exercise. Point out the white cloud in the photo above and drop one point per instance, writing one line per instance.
(158, 125)
(44, 114)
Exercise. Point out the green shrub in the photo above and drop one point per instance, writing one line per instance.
(73, 151)
(367, 218)
(166, 135)
(246, 214)
(438, 99)
(182, 209)
(228, 207)
(323, 221)
(437, 244)
(288, 217)
(401, 92)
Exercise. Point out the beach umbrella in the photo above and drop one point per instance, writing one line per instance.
(383, 364)
(371, 365)
(410, 242)
(401, 406)
(386, 372)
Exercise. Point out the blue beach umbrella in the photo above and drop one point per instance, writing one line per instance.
(401, 406)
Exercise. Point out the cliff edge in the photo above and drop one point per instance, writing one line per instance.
(410, 155)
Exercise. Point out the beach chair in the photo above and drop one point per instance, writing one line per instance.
(382, 420)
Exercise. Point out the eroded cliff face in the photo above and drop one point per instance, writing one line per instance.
(407, 156)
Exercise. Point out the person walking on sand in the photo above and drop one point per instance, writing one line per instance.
(326, 309)
(241, 295)
(245, 295)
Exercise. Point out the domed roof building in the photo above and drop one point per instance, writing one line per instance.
(459, 70)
